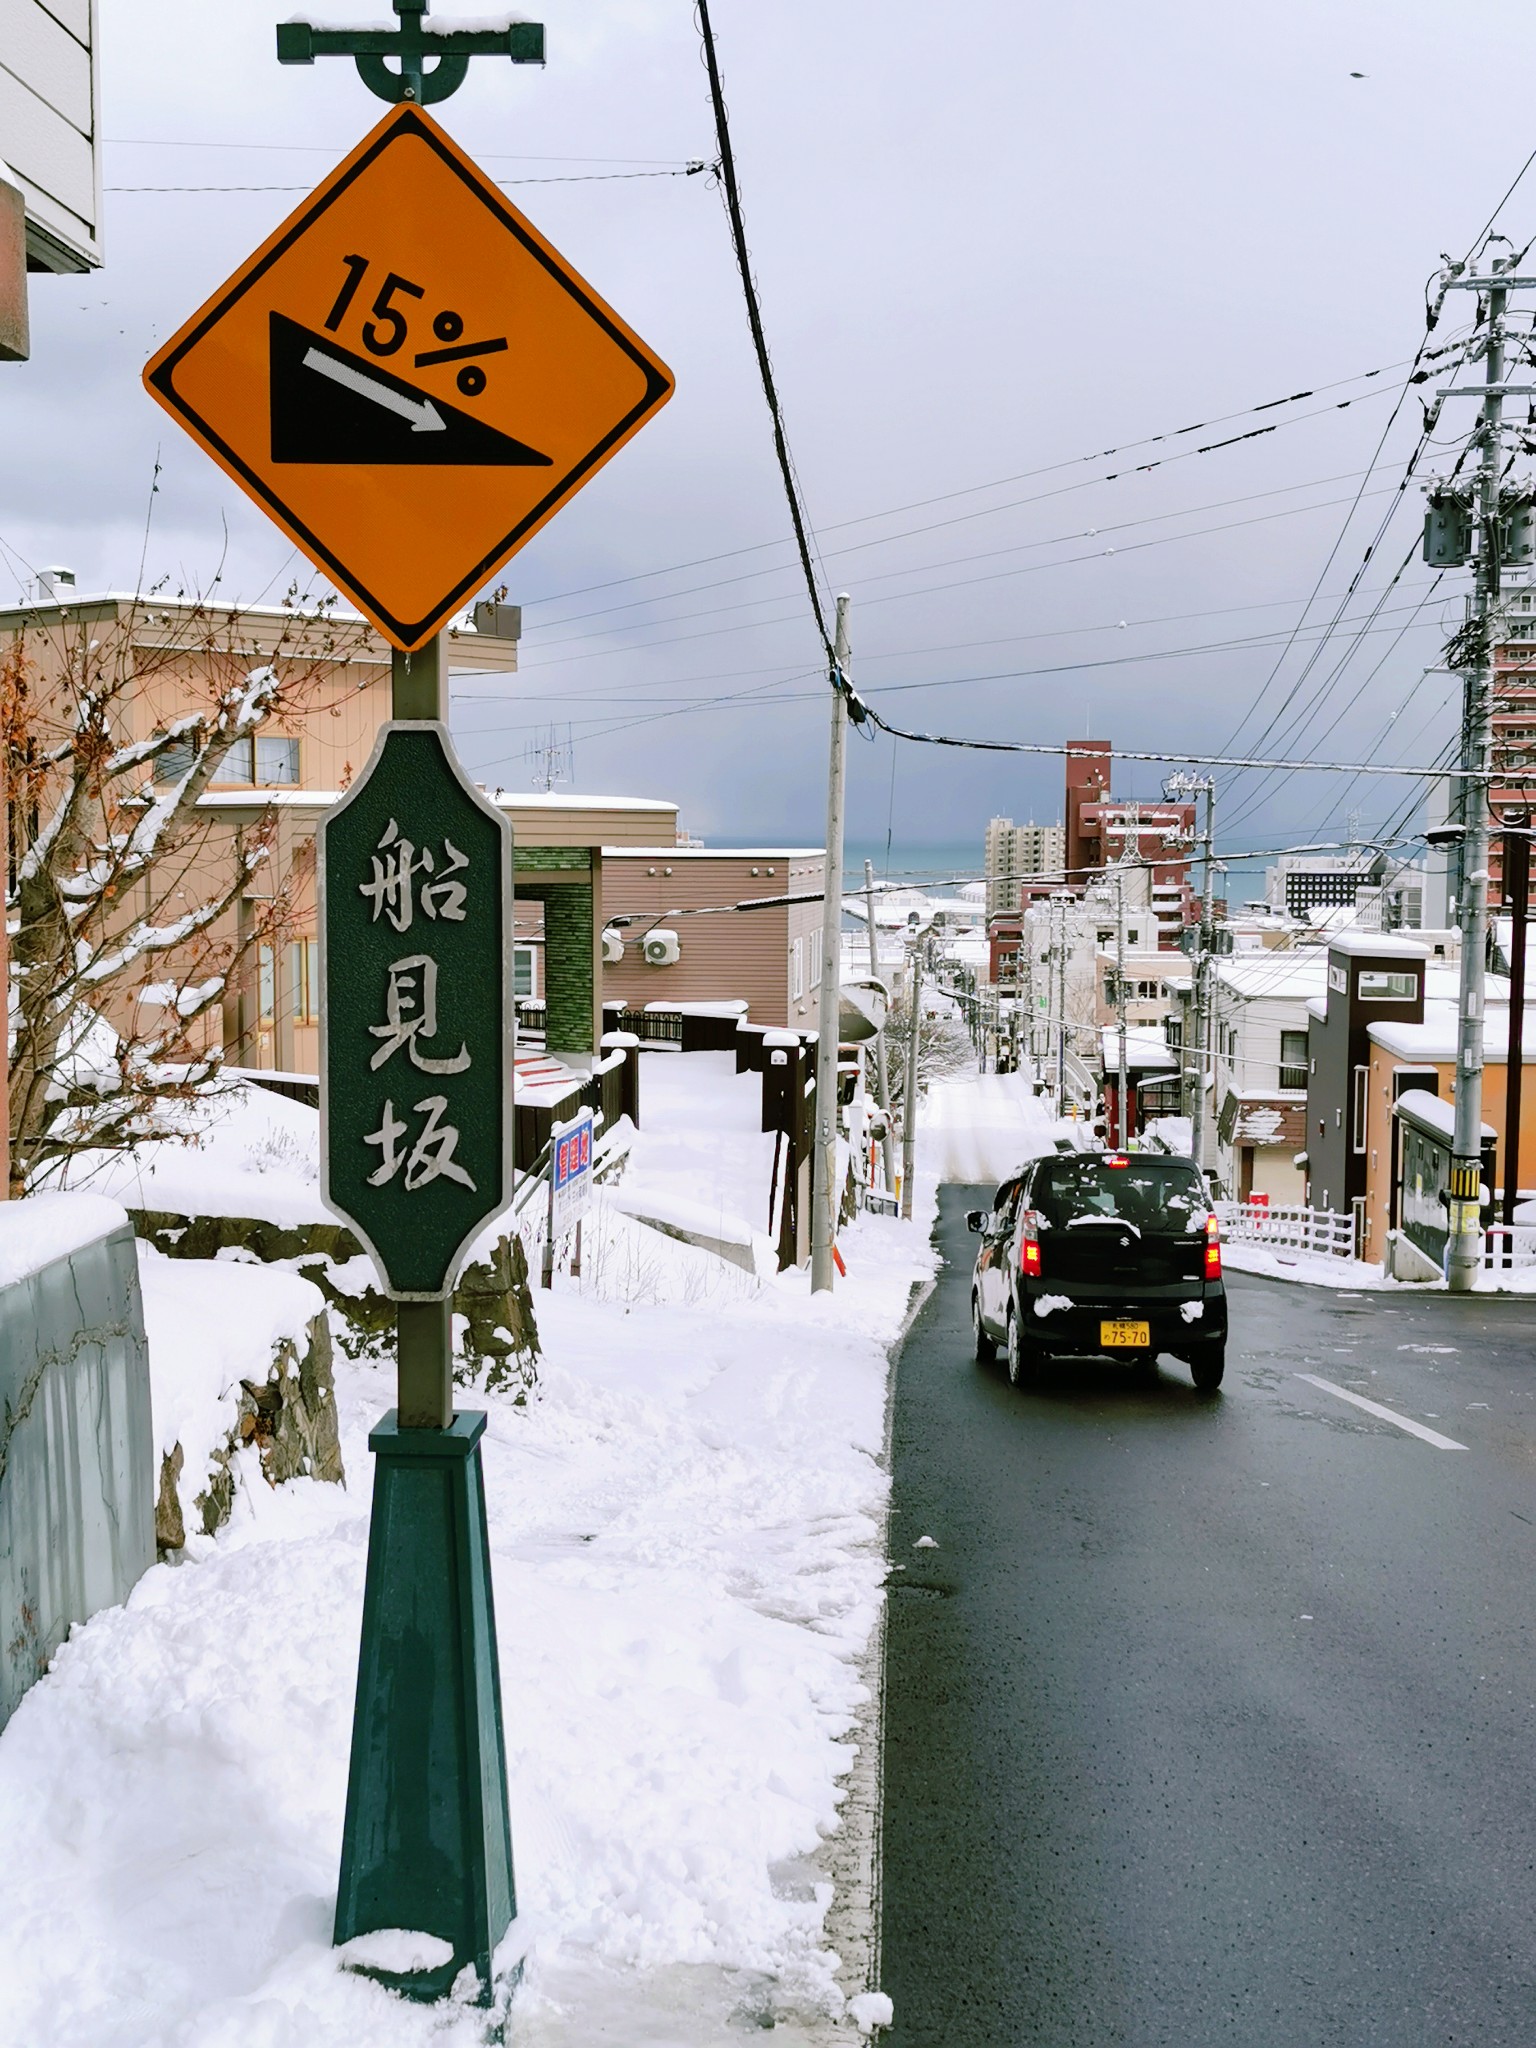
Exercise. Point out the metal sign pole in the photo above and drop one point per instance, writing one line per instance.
(415, 872)
(410, 416)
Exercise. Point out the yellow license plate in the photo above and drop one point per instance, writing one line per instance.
(1123, 1336)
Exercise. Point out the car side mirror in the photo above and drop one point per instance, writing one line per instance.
(975, 1218)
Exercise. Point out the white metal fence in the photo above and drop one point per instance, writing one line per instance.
(1293, 1227)
(1506, 1246)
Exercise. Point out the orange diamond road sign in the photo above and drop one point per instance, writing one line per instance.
(408, 378)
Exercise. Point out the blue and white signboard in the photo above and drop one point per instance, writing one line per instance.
(570, 1174)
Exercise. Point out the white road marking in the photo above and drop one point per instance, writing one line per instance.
(422, 414)
(1430, 1436)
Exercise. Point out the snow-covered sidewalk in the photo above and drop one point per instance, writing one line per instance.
(686, 1527)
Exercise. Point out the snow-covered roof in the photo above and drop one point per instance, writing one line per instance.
(547, 800)
(1388, 945)
(1280, 973)
(1146, 1050)
(1435, 1038)
(1430, 1113)
(709, 852)
(508, 799)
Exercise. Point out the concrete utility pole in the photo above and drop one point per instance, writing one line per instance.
(1124, 1119)
(1517, 894)
(882, 1085)
(1061, 1007)
(824, 1191)
(1204, 786)
(1464, 1249)
(909, 1092)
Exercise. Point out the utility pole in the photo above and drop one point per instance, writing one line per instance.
(882, 1085)
(1464, 1248)
(1517, 894)
(1061, 1008)
(824, 1192)
(1123, 1119)
(909, 1093)
(1205, 945)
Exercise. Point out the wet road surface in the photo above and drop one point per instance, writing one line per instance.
(1213, 1719)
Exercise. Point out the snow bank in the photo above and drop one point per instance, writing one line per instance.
(211, 1324)
(41, 1228)
(240, 1150)
(686, 1533)
(1315, 1269)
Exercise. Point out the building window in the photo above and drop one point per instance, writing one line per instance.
(522, 971)
(1362, 1076)
(271, 761)
(266, 986)
(1293, 1059)
(304, 970)
(816, 959)
(796, 970)
(1377, 986)
(172, 762)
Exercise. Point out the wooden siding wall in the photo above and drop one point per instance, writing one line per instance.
(744, 954)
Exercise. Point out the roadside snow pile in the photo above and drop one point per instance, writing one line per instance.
(1314, 1269)
(240, 1386)
(981, 1127)
(686, 1533)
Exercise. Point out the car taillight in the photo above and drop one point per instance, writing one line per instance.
(1029, 1245)
(1212, 1248)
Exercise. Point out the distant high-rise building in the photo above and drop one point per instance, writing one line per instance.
(1514, 724)
(1018, 855)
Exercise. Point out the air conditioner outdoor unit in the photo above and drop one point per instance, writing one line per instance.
(613, 947)
(661, 948)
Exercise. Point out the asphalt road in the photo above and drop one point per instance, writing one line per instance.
(1213, 1720)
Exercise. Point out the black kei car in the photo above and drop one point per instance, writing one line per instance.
(1087, 1254)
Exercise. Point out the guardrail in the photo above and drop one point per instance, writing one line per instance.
(1293, 1227)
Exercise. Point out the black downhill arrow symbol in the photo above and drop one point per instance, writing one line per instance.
(329, 405)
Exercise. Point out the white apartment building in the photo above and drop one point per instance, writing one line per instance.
(1017, 852)
(1256, 1103)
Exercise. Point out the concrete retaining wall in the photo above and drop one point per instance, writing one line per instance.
(77, 1479)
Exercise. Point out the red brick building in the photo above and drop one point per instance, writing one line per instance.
(1101, 828)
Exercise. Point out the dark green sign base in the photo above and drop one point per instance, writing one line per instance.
(428, 1844)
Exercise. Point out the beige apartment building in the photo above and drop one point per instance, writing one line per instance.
(578, 859)
(1016, 854)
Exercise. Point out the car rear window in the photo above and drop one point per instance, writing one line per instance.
(1154, 1194)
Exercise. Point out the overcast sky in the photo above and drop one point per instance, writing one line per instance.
(991, 238)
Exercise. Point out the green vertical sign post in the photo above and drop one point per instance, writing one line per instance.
(339, 391)
(417, 1039)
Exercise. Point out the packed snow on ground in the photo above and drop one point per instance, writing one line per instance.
(686, 1533)
(981, 1127)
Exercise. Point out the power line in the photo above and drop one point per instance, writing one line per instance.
(755, 322)
(690, 170)
(950, 562)
(629, 649)
(998, 483)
